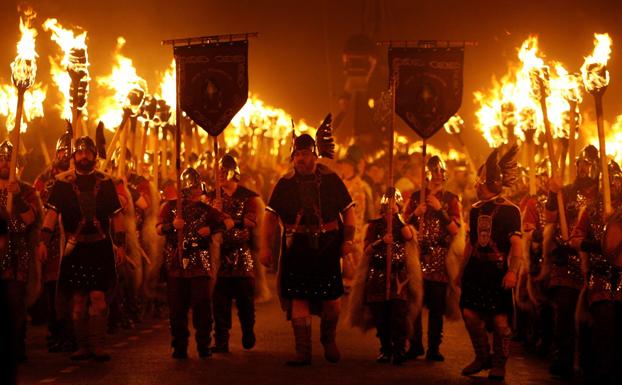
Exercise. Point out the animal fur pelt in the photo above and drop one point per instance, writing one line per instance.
(262, 292)
(34, 284)
(132, 245)
(453, 262)
(153, 245)
(359, 315)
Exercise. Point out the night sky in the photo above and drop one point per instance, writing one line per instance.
(295, 63)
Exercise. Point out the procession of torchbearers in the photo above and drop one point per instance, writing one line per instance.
(114, 240)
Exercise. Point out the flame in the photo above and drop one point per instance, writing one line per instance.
(613, 138)
(514, 102)
(594, 69)
(454, 125)
(33, 104)
(24, 70)
(121, 81)
(24, 67)
(168, 89)
(264, 127)
(60, 67)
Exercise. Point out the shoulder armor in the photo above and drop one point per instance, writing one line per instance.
(323, 169)
(66, 176)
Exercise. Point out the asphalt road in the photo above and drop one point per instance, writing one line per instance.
(142, 356)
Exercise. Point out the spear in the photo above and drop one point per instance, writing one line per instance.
(389, 213)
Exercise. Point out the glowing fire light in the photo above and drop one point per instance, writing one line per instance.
(594, 69)
(123, 80)
(514, 101)
(454, 125)
(168, 89)
(24, 69)
(613, 138)
(74, 61)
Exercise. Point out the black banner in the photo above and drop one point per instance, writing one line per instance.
(213, 82)
(429, 86)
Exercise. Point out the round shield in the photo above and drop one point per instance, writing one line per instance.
(612, 239)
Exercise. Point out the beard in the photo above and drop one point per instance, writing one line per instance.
(85, 165)
(304, 168)
(62, 164)
(4, 173)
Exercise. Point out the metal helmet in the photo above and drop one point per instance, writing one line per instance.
(85, 143)
(190, 179)
(588, 163)
(615, 176)
(64, 142)
(436, 164)
(229, 167)
(391, 192)
(6, 150)
(303, 142)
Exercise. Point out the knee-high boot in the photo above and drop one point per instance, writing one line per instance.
(302, 337)
(479, 339)
(328, 335)
(81, 332)
(97, 337)
(501, 351)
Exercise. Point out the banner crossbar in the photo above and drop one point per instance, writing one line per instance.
(428, 43)
(209, 39)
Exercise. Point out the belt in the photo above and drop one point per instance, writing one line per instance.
(490, 257)
(87, 238)
(304, 229)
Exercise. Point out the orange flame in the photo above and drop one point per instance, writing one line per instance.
(24, 70)
(514, 101)
(122, 80)
(454, 125)
(59, 68)
(594, 69)
(168, 89)
(257, 120)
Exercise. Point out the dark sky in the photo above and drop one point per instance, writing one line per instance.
(295, 63)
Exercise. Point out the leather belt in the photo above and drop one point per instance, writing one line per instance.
(304, 229)
(87, 238)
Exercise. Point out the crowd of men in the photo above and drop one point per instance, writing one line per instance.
(113, 250)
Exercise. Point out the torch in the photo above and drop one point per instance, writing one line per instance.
(23, 73)
(133, 105)
(454, 127)
(596, 80)
(79, 88)
(149, 109)
(528, 126)
(574, 121)
(539, 77)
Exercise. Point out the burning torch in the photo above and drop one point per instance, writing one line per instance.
(528, 126)
(23, 73)
(596, 80)
(539, 86)
(454, 127)
(79, 88)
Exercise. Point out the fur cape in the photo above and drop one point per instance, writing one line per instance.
(453, 262)
(359, 315)
(153, 245)
(34, 282)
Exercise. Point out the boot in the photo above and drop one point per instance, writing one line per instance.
(328, 334)
(302, 336)
(97, 337)
(501, 349)
(479, 339)
(248, 339)
(81, 331)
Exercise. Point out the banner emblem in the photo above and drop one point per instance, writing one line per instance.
(213, 82)
(428, 86)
